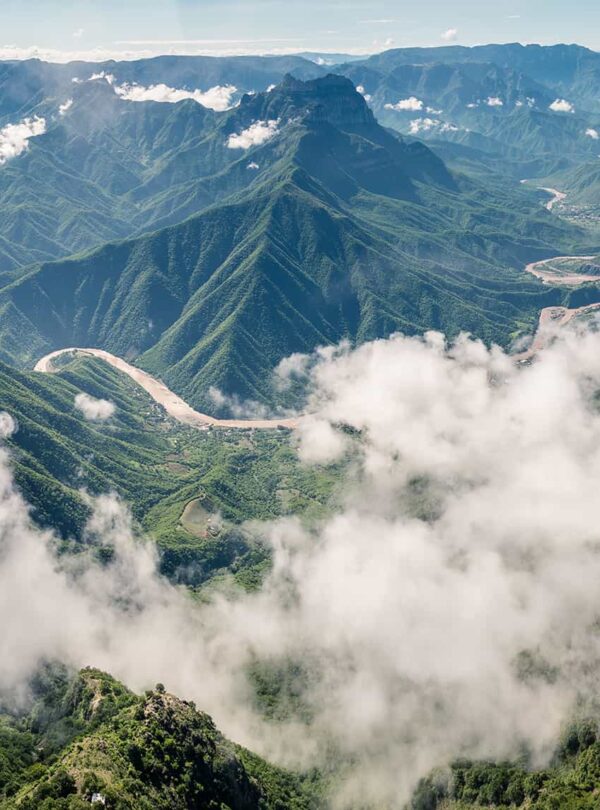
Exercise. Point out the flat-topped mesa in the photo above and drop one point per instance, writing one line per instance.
(332, 99)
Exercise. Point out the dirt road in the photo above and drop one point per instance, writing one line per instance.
(173, 405)
(557, 196)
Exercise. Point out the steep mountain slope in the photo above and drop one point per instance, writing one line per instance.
(107, 167)
(341, 231)
(94, 170)
(162, 469)
(87, 736)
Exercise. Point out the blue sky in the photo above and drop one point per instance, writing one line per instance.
(235, 26)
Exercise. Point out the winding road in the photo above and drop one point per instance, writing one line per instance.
(176, 407)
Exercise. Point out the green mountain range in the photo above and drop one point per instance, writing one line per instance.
(333, 228)
(206, 245)
(499, 100)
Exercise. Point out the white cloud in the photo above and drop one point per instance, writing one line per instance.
(217, 98)
(95, 410)
(238, 408)
(426, 124)
(433, 111)
(562, 105)
(271, 87)
(253, 166)
(412, 103)
(257, 133)
(449, 553)
(63, 108)
(494, 101)
(102, 75)
(14, 138)
(294, 367)
(423, 125)
(320, 442)
(592, 133)
(78, 33)
(472, 105)
(8, 425)
(360, 89)
(450, 35)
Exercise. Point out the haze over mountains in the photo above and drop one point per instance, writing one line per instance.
(289, 220)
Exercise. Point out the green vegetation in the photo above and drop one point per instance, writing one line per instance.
(104, 169)
(157, 466)
(89, 735)
(376, 237)
(487, 110)
(570, 782)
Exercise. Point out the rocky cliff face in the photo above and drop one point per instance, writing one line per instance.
(332, 99)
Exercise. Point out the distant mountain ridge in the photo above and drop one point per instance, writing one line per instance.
(522, 104)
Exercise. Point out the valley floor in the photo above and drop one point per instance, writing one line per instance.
(176, 407)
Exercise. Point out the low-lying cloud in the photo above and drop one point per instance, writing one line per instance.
(529, 101)
(218, 98)
(14, 138)
(561, 105)
(465, 542)
(65, 107)
(411, 104)
(592, 133)
(255, 135)
(95, 410)
(360, 89)
(418, 125)
(236, 407)
(8, 425)
(101, 76)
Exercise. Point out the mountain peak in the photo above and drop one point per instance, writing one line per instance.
(332, 99)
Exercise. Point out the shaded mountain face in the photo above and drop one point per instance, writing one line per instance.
(318, 225)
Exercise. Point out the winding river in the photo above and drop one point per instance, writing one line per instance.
(177, 408)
